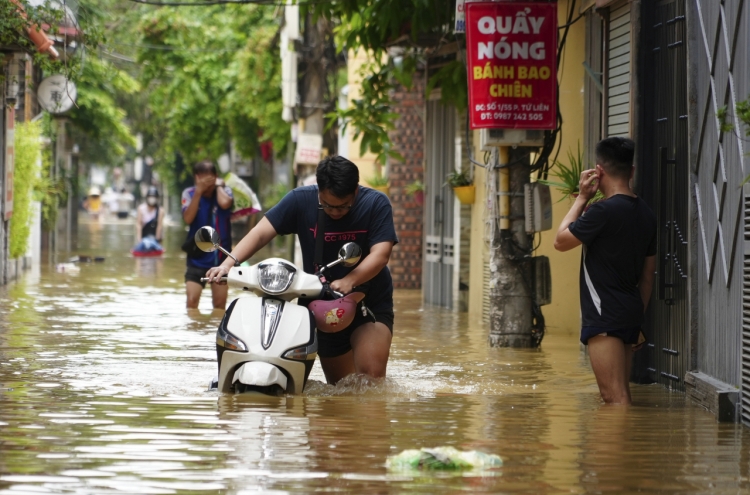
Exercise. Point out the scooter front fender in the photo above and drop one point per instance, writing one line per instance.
(233, 360)
(260, 374)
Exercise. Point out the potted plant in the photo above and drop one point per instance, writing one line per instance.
(462, 185)
(379, 183)
(568, 177)
(416, 189)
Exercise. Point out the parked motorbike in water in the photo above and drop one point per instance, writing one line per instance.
(266, 343)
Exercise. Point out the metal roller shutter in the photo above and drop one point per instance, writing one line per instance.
(618, 80)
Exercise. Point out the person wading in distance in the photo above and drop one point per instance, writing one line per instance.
(209, 202)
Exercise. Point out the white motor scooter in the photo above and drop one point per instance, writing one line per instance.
(266, 343)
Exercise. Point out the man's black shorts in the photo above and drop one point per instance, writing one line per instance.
(338, 343)
(627, 335)
(194, 274)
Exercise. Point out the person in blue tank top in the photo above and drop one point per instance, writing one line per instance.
(209, 202)
(352, 214)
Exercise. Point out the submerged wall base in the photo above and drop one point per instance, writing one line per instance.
(718, 397)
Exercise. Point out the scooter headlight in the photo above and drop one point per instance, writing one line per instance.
(227, 340)
(275, 277)
(303, 353)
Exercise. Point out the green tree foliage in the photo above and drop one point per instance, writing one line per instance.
(371, 115)
(418, 28)
(13, 29)
(257, 92)
(212, 76)
(374, 24)
(98, 121)
(14, 23)
(28, 154)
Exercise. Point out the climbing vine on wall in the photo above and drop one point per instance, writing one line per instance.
(28, 154)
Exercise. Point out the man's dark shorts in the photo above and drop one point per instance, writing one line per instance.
(338, 343)
(627, 335)
(194, 274)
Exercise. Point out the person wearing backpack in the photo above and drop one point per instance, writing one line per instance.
(208, 203)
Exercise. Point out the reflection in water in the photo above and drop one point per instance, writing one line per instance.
(149, 267)
(103, 382)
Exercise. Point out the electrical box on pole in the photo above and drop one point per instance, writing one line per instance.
(538, 202)
(492, 138)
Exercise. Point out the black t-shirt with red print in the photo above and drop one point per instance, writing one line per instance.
(368, 222)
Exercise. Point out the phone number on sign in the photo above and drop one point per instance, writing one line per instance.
(511, 116)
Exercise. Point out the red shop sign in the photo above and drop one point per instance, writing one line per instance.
(512, 57)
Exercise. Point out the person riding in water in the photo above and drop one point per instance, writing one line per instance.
(352, 214)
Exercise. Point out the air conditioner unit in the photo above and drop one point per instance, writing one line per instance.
(492, 138)
(541, 278)
(538, 207)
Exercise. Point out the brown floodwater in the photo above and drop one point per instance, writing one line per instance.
(103, 379)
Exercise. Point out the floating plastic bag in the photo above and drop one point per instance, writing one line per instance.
(442, 459)
(245, 200)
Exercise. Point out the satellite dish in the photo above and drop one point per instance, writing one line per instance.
(56, 94)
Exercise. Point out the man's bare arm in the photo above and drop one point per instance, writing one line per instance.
(587, 187)
(564, 239)
(258, 237)
(378, 258)
(225, 200)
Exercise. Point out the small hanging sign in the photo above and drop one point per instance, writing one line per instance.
(460, 26)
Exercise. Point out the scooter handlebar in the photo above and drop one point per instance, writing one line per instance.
(205, 279)
(327, 290)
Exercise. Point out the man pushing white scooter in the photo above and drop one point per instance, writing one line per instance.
(326, 217)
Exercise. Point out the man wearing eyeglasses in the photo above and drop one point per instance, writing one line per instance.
(352, 214)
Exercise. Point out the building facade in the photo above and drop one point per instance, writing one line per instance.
(669, 74)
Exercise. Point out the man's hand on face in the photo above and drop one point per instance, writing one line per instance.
(588, 184)
(204, 182)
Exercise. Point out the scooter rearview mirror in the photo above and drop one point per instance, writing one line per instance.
(207, 239)
(350, 253)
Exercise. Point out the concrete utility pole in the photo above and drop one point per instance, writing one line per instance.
(510, 267)
(314, 80)
(312, 115)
